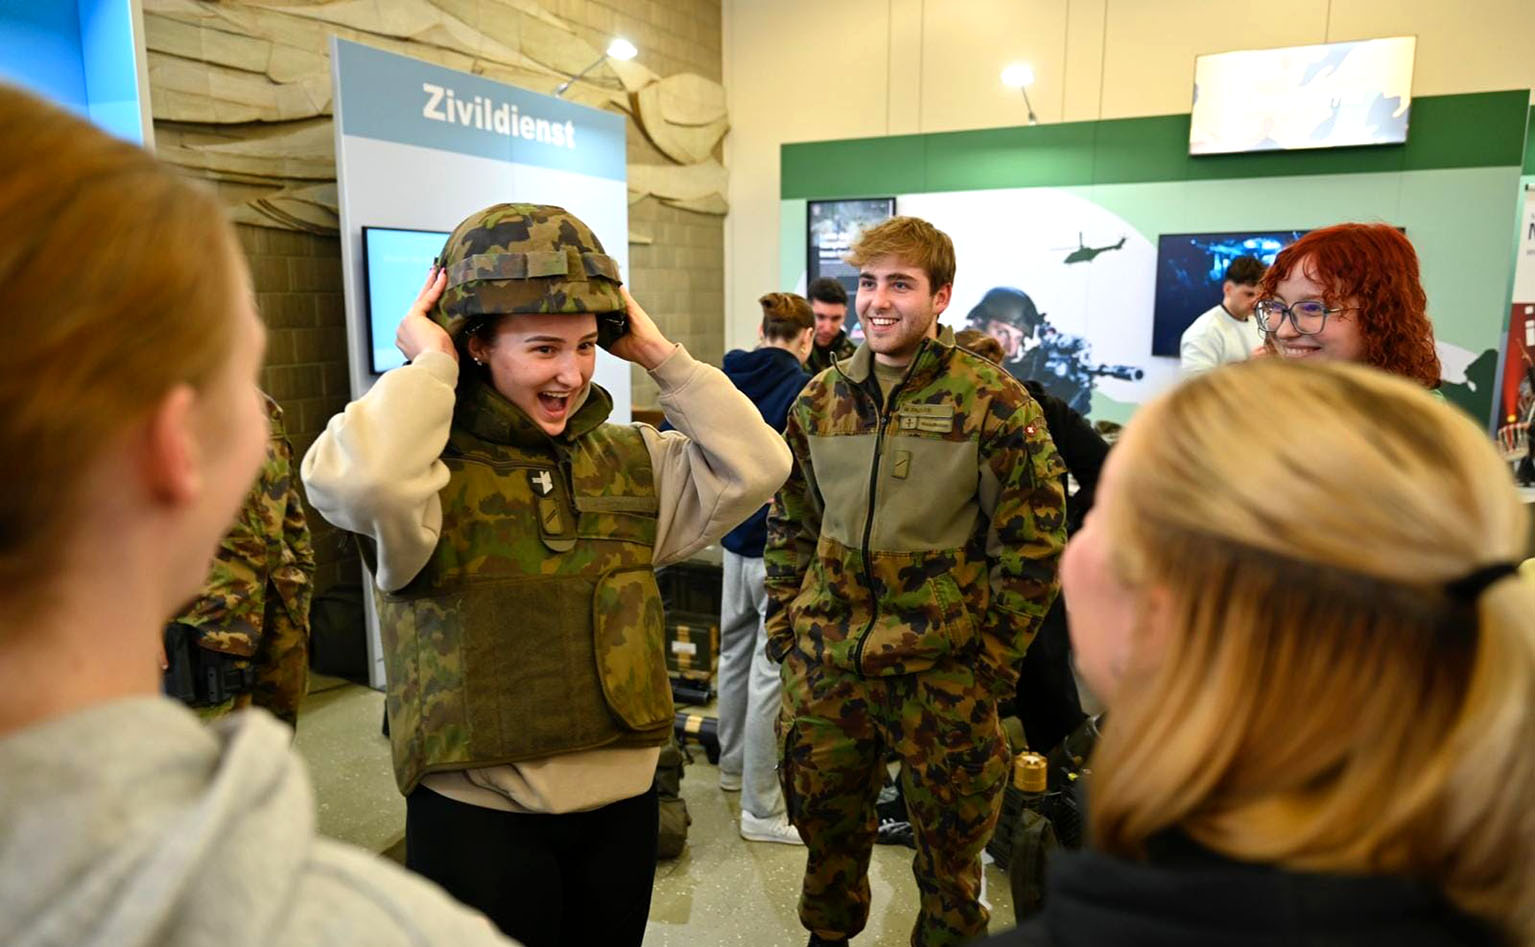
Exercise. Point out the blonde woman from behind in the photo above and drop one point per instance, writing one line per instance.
(1296, 595)
(132, 428)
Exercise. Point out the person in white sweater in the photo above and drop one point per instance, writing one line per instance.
(514, 531)
(132, 427)
(1226, 332)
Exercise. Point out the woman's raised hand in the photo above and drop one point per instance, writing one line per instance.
(417, 332)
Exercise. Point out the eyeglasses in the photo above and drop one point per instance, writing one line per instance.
(1309, 316)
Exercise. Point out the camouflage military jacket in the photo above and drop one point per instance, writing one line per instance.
(821, 359)
(255, 604)
(909, 531)
(536, 627)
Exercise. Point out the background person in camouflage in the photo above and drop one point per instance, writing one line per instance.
(252, 615)
(828, 300)
(911, 555)
(515, 530)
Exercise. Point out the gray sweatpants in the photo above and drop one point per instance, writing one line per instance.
(749, 686)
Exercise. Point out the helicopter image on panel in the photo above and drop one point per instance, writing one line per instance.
(1086, 254)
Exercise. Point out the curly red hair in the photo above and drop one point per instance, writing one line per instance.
(1375, 266)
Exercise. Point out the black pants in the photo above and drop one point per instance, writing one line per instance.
(1046, 702)
(547, 880)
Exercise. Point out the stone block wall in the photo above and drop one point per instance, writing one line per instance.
(678, 276)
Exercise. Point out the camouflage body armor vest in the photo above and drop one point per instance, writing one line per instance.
(536, 628)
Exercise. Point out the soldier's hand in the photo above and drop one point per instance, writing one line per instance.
(417, 332)
(643, 344)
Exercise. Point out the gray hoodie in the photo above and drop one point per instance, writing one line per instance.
(130, 823)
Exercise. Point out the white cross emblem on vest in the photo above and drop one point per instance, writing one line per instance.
(542, 482)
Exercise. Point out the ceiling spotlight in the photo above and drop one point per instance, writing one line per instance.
(1020, 75)
(620, 49)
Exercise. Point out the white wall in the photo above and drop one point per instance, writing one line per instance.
(812, 70)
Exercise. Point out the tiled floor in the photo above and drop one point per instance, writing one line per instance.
(721, 890)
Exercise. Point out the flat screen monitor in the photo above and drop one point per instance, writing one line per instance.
(833, 226)
(1191, 268)
(395, 263)
(1325, 96)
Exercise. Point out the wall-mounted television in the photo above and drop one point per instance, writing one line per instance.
(1330, 95)
(832, 227)
(1191, 267)
(395, 263)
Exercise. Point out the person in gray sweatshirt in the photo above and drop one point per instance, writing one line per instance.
(132, 427)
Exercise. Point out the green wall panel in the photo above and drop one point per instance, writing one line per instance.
(1529, 144)
(1487, 129)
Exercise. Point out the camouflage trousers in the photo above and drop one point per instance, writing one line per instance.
(282, 668)
(835, 732)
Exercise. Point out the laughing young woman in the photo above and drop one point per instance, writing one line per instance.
(514, 530)
(1350, 293)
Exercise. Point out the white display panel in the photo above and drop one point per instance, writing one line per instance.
(1299, 97)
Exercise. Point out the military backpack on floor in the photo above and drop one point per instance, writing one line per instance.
(672, 836)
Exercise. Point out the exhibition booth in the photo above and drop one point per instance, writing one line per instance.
(1117, 236)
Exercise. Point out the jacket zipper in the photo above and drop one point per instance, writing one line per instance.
(880, 415)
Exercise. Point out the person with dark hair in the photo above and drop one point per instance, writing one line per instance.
(1351, 293)
(1226, 332)
(1046, 701)
(772, 376)
(829, 301)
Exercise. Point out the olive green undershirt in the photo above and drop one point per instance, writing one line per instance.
(888, 376)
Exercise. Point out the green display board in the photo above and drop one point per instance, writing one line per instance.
(1454, 186)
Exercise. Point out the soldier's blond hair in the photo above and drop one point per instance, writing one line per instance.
(118, 284)
(911, 240)
(1318, 699)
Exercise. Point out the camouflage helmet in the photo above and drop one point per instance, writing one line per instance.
(524, 258)
(1006, 305)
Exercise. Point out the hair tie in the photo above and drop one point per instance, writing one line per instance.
(1468, 588)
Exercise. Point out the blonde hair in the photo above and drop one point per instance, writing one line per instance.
(118, 287)
(785, 316)
(911, 240)
(1321, 701)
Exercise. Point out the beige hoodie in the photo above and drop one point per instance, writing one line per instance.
(376, 471)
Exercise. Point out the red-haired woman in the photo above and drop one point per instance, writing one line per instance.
(1350, 293)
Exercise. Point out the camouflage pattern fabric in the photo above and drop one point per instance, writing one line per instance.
(821, 359)
(524, 258)
(834, 732)
(911, 557)
(255, 604)
(911, 531)
(536, 627)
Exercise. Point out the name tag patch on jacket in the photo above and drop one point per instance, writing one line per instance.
(933, 418)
